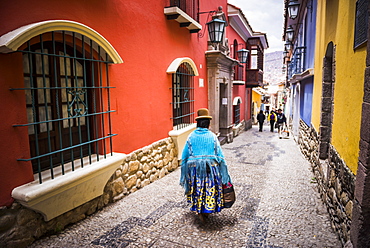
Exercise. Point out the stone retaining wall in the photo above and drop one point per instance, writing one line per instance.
(335, 181)
(20, 226)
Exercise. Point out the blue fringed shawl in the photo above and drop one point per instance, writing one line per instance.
(201, 149)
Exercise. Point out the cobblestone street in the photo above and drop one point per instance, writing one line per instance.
(277, 206)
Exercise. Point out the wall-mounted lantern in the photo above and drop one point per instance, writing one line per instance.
(288, 45)
(290, 33)
(243, 55)
(216, 30)
(293, 8)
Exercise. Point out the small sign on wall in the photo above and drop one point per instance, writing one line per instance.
(201, 82)
(224, 101)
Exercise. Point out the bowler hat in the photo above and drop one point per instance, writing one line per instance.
(203, 113)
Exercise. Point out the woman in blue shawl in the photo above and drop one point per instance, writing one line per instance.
(203, 168)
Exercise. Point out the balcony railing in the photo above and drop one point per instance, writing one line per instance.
(239, 74)
(184, 12)
(254, 78)
(297, 63)
(190, 7)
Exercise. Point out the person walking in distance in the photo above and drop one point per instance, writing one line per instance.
(281, 121)
(204, 169)
(272, 118)
(261, 118)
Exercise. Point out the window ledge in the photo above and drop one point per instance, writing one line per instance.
(300, 76)
(239, 82)
(179, 137)
(62, 194)
(175, 13)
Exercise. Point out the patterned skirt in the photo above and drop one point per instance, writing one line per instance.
(205, 189)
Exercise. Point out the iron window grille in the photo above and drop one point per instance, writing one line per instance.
(183, 96)
(297, 64)
(237, 113)
(66, 83)
(361, 23)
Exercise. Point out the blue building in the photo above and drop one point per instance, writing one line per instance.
(299, 34)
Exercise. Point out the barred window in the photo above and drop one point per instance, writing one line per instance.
(183, 96)
(361, 23)
(67, 99)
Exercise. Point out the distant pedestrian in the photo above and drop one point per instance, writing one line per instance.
(281, 121)
(272, 118)
(204, 169)
(261, 119)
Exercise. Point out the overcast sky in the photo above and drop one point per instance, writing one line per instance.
(265, 16)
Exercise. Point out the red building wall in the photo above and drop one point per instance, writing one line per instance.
(239, 90)
(145, 40)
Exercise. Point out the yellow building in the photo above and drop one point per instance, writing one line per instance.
(334, 42)
(338, 95)
(258, 101)
(336, 140)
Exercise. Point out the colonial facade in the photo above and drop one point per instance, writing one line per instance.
(330, 109)
(98, 99)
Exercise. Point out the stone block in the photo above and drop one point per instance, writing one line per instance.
(118, 197)
(323, 150)
(365, 122)
(139, 174)
(125, 168)
(327, 89)
(134, 167)
(118, 186)
(131, 181)
(327, 70)
(162, 172)
(138, 183)
(152, 178)
(326, 104)
(325, 133)
(344, 198)
(7, 220)
(118, 173)
(349, 208)
(159, 164)
(145, 182)
(362, 194)
(146, 168)
(325, 119)
(367, 85)
(166, 158)
(360, 229)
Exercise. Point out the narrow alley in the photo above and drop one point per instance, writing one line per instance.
(277, 206)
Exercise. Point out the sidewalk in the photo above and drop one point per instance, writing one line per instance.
(277, 206)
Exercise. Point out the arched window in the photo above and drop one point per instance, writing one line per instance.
(67, 99)
(183, 96)
(236, 112)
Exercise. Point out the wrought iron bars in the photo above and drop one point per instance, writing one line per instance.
(68, 100)
(183, 96)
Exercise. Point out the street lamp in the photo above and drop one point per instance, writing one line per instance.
(293, 7)
(288, 45)
(290, 33)
(243, 55)
(216, 29)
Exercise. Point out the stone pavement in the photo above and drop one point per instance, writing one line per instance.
(277, 206)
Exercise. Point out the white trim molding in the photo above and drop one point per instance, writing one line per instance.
(235, 101)
(59, 195)
(11, 41)
(177, 62)
(180, 137)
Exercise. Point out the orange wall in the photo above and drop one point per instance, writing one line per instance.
(239, 90)
(146, 41)
(14, 140)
